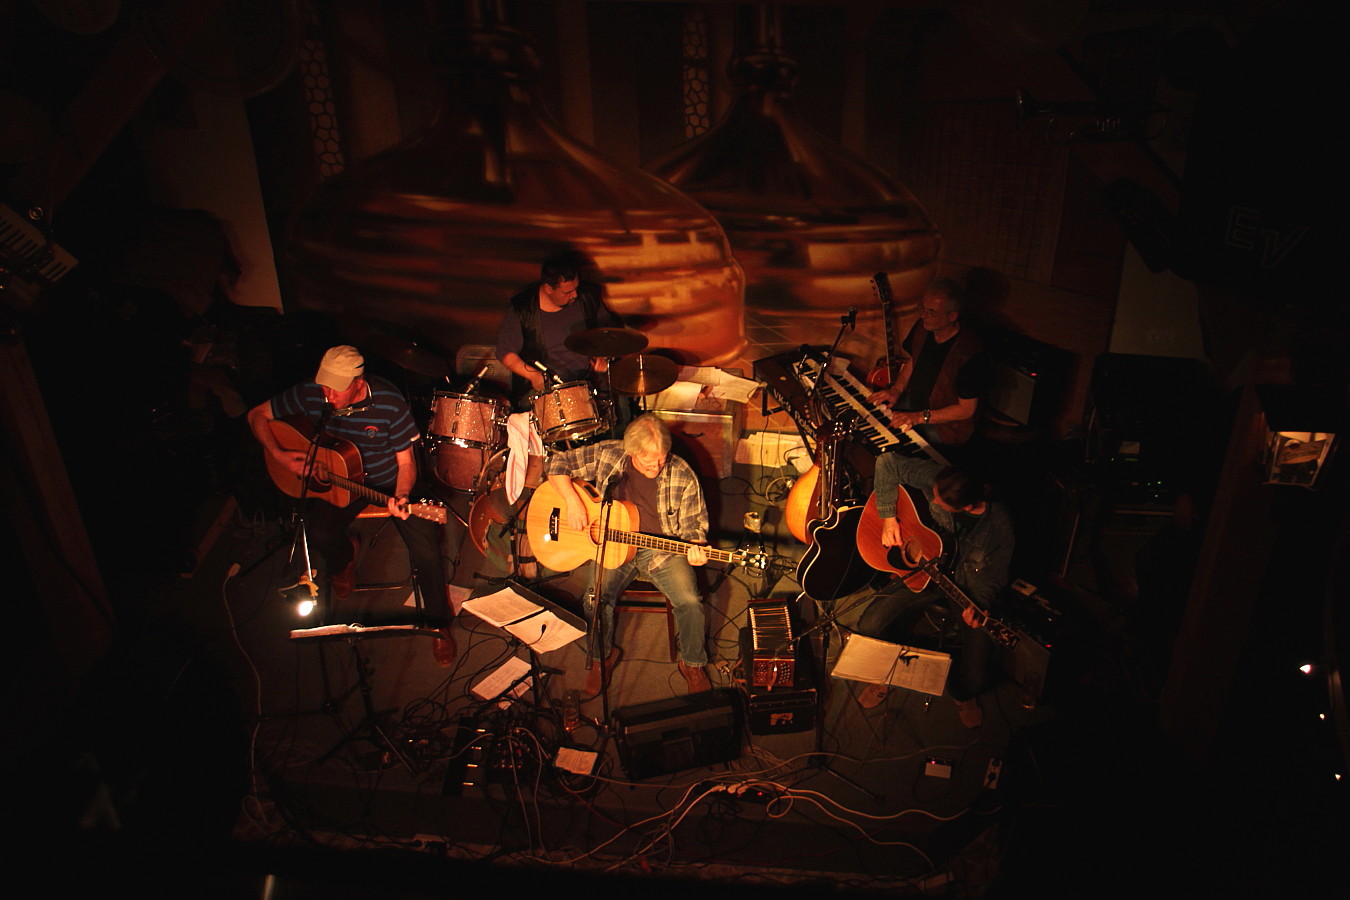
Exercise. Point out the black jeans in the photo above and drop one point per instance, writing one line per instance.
(326, 526)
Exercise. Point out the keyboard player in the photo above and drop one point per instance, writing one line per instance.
(938, 390)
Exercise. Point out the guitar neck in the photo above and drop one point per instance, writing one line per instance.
(996, 629)
(882, 285)
(429, 511)
(668, 545)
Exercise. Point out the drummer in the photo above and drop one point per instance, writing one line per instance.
(540, 318)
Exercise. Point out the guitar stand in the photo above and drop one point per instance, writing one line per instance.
(371, 727)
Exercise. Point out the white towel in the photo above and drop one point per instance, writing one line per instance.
(522, 442)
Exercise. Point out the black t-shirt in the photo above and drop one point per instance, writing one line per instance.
(972, 378)
(642, 492)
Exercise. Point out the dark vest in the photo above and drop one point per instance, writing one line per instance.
(526, 307)
(965, 345)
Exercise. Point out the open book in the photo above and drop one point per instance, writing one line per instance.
(881, 662)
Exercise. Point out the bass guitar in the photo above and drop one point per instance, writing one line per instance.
(563, 548)
(888, 367)
(336, 473)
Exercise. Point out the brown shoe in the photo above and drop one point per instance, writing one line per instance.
(444, 646)
(344, 582)
(593, 683)
(695, 677)
(874, 695)
(969, 711)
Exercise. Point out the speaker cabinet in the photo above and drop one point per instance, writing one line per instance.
(667, 736)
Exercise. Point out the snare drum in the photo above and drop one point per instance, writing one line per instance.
(467, 420)
(567, 412)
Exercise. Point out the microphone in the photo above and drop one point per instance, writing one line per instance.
(548, 373)
(473, 383)
(851, 318)
(354, 408)
(610, 485)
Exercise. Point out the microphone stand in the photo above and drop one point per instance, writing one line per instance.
(847, 323)
(598, 595)
(301, 539)
(818, 760)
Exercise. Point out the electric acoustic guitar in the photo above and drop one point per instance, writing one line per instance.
(563, 548)
(915, 559)
(830, 568)
(336, 474)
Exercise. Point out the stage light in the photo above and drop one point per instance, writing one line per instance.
(1306, 668)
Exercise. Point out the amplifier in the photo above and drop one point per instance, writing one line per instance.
(667, 736)
(781, 690)
(781, 711)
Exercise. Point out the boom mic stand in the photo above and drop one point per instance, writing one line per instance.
(847, 323)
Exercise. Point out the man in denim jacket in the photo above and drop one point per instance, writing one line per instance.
(982, 535)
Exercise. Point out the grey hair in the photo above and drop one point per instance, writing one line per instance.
(646, 435)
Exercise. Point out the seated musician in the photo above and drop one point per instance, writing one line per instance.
(939, 387)
(381, 428)
(982, 533)
(540, 317)
(669, 502)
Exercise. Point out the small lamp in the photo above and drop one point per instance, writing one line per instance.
(303, 596)
(1302, 425)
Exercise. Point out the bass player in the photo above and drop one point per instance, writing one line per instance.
(666, 492)
(371, 415)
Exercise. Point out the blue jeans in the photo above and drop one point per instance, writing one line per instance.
(675, 579)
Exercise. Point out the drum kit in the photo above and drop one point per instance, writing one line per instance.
(466, 436)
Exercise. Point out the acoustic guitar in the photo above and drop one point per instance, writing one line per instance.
(563, 548)
(830, 567)
(336, 473)
(915, 559)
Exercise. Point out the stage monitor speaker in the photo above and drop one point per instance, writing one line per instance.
(667, 736)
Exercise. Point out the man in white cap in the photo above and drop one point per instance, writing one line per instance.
(370, 414)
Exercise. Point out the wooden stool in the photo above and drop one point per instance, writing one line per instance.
(643, 596)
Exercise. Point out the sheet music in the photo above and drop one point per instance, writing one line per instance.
(721, 384)
(501, 608)
(880, 662)
(538, 627)
(496, 682)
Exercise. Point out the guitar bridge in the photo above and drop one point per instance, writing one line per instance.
(554, 516)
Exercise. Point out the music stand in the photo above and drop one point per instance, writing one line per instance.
(371, 727)
(533, 622)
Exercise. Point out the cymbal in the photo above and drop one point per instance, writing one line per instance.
(606, 343)
(643, 374)
(407, 355)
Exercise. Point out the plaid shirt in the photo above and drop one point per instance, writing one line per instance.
(684, 515)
